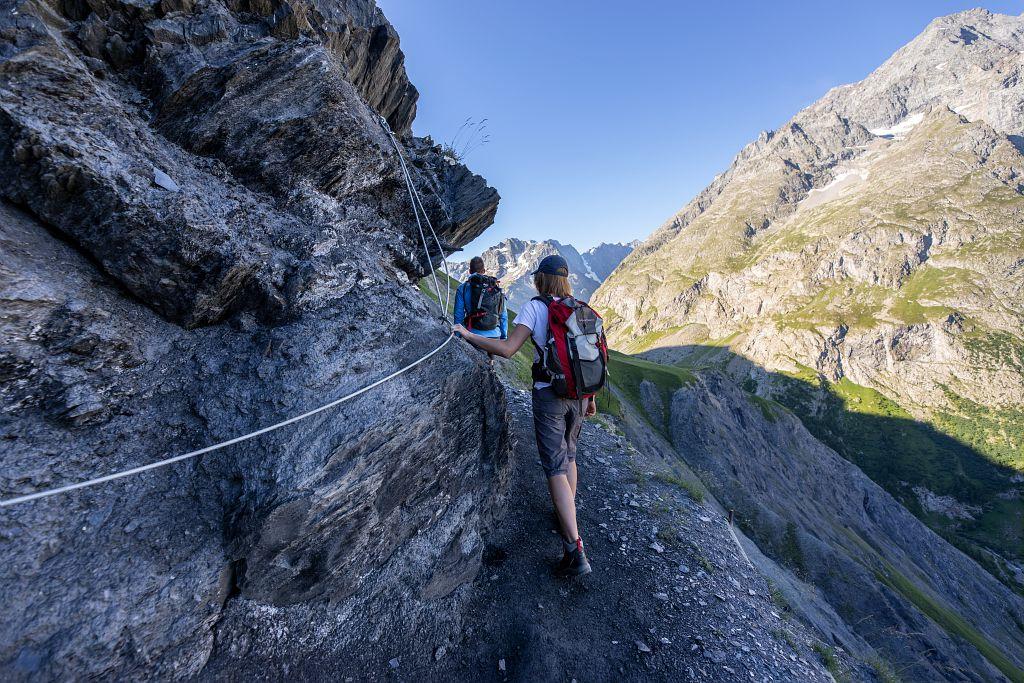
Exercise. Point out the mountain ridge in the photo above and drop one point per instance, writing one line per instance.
(512, 260)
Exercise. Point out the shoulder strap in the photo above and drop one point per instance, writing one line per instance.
(546, 300)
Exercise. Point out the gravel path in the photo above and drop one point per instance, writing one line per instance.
(671, 597)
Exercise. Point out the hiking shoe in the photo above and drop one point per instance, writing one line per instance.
(574, 563)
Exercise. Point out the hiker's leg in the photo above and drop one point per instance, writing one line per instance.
(562, 497)
(573, 426)
(551, 427)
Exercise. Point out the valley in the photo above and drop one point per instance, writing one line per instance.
(862, 266)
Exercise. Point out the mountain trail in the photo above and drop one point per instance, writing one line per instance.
(670, 597)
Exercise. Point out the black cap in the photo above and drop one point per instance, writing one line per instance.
(553, 265)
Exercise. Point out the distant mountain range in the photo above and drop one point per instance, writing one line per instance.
(513, 260)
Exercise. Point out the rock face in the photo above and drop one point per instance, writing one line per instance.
(604, 258)
(202, 218)
(852, 240)
(929, 610)
(512, 261)
(875, 239)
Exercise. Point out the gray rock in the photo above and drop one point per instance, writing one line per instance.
(763, 469)
(141, 323)
(653, 402)
(163, 180)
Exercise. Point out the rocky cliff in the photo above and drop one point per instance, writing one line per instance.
(926, 608)
(874, 241)
(512, 261)
(202, 222)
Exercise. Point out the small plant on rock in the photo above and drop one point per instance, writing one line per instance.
(676, 478)
(470, 136)
(884, 670)
(828, 658)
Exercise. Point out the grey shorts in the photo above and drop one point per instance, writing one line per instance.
(557, 423)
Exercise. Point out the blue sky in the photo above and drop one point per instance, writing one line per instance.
(605, 118)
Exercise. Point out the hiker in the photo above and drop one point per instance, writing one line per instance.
(480, 303)
(570, 361)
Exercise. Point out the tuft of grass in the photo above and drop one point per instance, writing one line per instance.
(635, 471)
(661, 509)
(669, 534)
(883, 670)
(783, 634)
(676, 478)
(791, 552)
(827, 654)
(779, 600)
(470, 136)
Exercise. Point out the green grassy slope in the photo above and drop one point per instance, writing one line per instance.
(951, 456)
(628, 372)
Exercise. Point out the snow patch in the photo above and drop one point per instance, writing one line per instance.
(590, 271)
(839, 184)
(900, 129)
(840, 177)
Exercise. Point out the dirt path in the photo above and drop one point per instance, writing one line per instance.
(670, 596)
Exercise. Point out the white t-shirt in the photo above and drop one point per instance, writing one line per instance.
(535, 316)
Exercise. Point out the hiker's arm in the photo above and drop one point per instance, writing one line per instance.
(460, 308)
(506, 348)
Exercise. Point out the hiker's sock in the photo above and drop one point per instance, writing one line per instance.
(571, 546)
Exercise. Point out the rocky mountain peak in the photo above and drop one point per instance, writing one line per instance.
(512, 260)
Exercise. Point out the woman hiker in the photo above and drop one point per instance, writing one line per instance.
(557, 421)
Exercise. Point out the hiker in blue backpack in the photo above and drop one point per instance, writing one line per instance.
(569, 365)
(480, 303)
